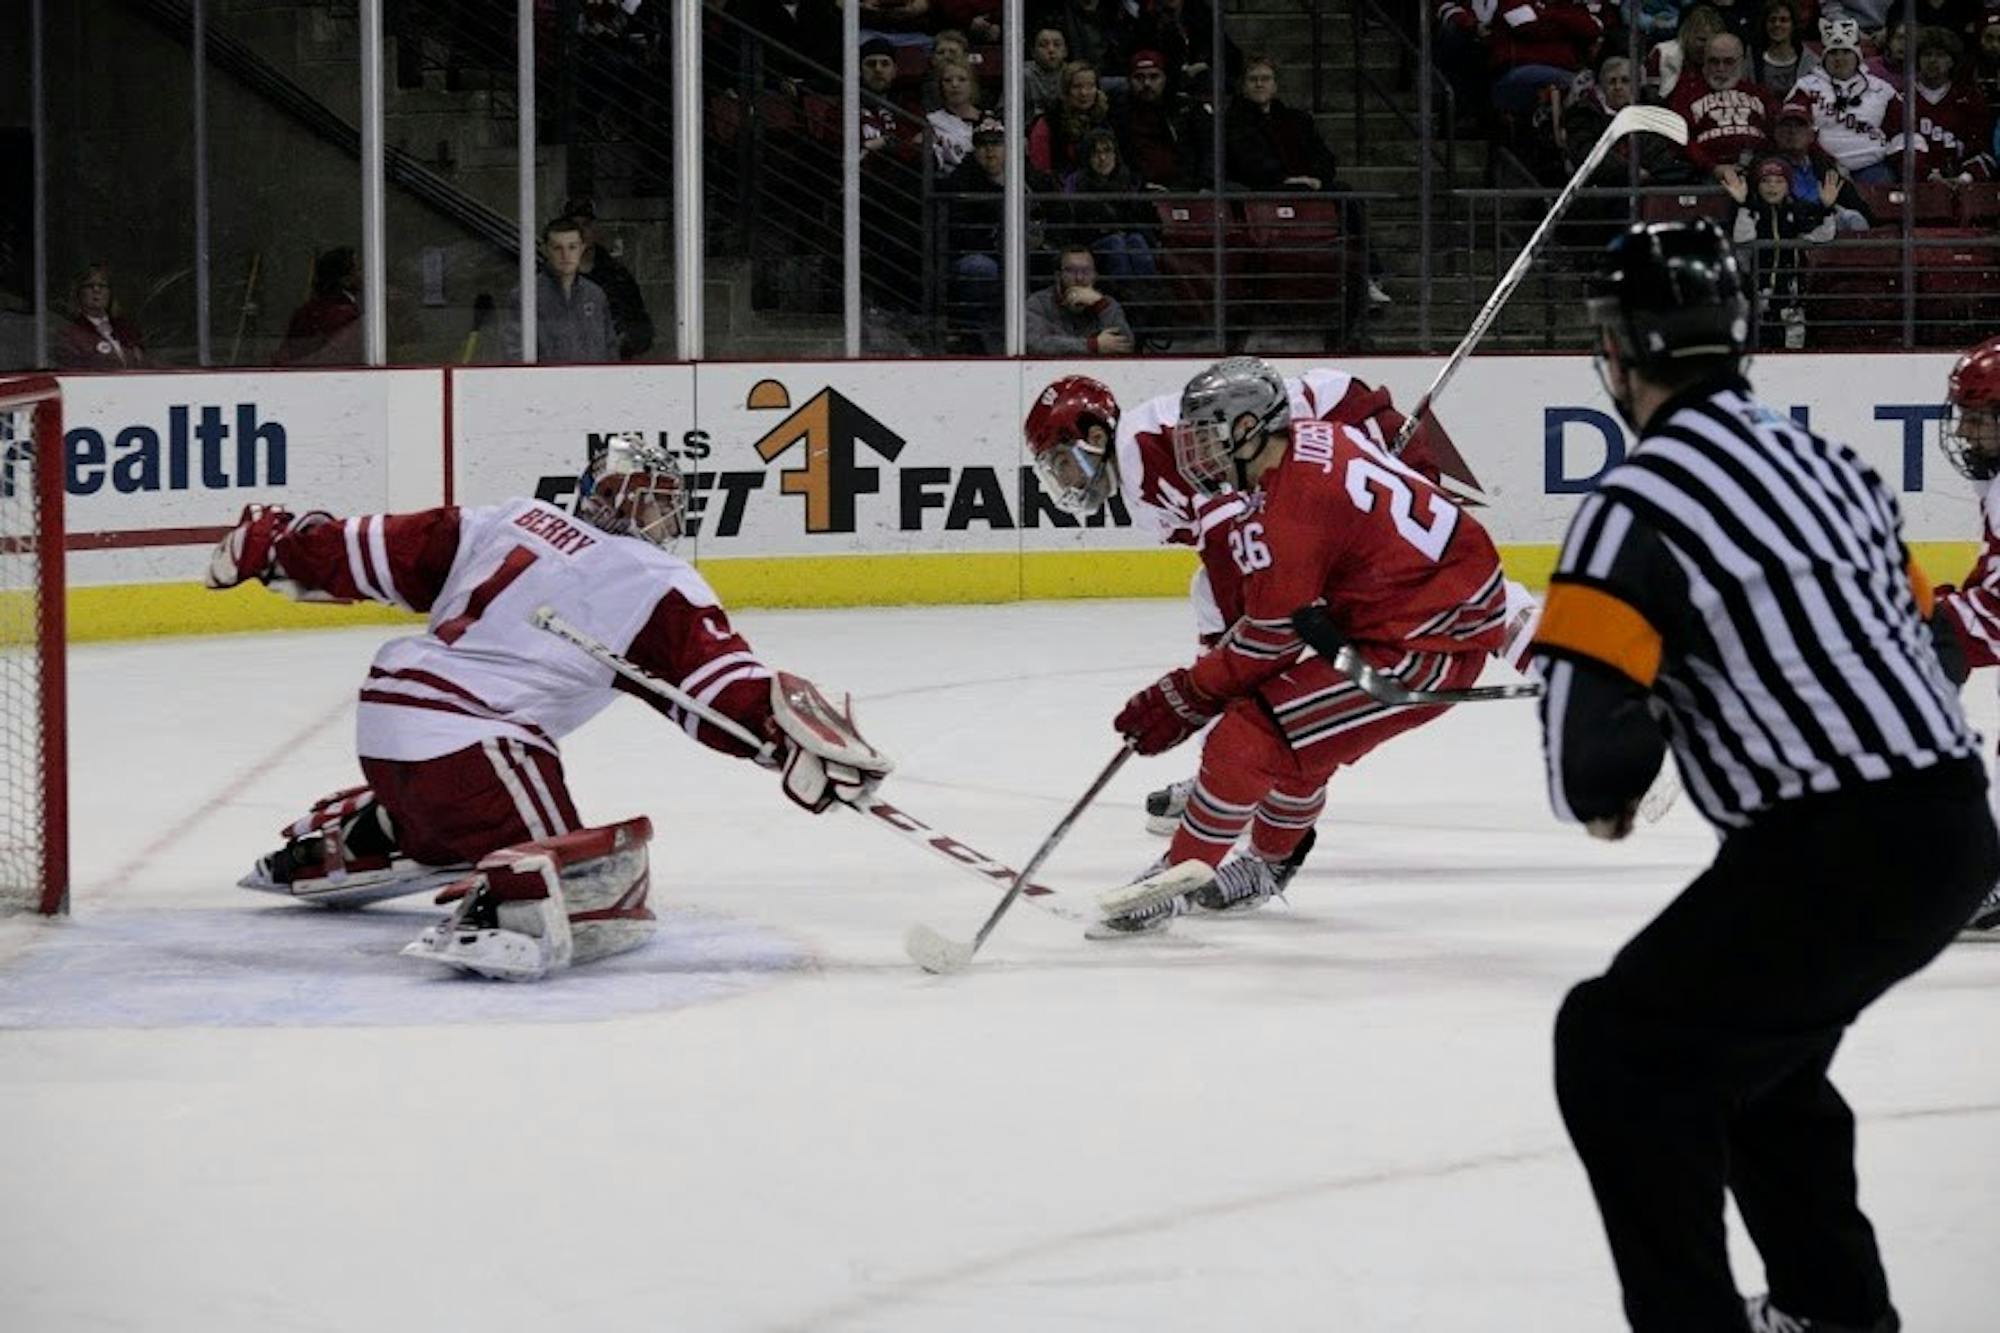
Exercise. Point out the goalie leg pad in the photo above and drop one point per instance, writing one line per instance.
(540, 907)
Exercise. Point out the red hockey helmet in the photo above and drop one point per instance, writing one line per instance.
(1972, 431)
(1078, 469)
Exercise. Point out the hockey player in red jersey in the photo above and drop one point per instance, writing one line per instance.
(1329, 516)
(1966, 617)
(458, 726)
(1086, 449)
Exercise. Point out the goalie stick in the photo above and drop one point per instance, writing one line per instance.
(898, 821)
(1632, 120)
(936, 954)
(1323, 637)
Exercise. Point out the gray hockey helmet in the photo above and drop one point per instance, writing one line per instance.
(1227, 413)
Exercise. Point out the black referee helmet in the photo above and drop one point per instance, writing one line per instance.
(1671, 292)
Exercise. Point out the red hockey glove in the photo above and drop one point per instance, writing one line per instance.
(1165, 713)
(246, 551)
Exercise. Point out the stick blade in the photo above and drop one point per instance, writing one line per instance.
(1652, 119)
(934, 953)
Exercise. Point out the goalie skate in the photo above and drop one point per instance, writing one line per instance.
(343, 854)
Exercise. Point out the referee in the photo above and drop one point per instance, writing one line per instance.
(1741, 585)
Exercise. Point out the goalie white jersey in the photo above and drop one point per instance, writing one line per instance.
(480, 671)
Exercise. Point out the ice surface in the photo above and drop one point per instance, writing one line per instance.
(223, 1112)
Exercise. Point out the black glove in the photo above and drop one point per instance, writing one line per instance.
(1949, 647)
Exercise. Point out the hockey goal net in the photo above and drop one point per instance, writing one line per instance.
(34, 791)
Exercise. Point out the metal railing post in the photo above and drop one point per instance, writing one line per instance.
(688, 295)
(198, 46)
(850, 175)
(374, 269)
(1014, 214)
(1426, 138)
(524, 179)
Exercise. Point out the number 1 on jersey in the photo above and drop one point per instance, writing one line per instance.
(511, 567)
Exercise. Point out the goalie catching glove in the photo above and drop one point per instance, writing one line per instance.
(817, 745)
(250, 550)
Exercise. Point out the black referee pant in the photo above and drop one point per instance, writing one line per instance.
(1698, 1060)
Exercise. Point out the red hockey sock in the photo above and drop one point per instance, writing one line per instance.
(1283, 818)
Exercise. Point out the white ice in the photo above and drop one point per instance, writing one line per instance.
(220, 1112)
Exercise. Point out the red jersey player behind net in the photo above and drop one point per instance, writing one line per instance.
(1086, 448)
(1966, 618)
(457, 726)
(1413, 581)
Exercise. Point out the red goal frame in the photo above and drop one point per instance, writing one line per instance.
(44, 393)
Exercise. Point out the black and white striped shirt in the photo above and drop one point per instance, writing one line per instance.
(1750, 578)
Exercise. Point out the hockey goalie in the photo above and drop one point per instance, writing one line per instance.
(458, 726)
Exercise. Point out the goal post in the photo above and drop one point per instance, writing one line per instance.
(34, 765)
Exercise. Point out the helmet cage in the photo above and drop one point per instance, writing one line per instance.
(1975, 459)
(1076, 476)
(635, 488)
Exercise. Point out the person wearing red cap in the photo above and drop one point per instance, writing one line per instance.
(1771, 223)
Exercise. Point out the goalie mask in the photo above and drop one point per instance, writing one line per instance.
(1972, 431)
(1072, 434)
(1228, 412)
(635, 488)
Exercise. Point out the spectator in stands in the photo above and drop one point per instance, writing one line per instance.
(973, 240)
(629, 316)
(949, 47)
(1071, 317)
(572, 313)
(1987, 67)
(1583, 120)
(1271, 146)
(1183, 32)
(1870, 16)
(1083, 24)
(1041, 80)
(1054, 138)
(326, 330)
(1952, 114)
(97, 336)
(886, 128)
(1781, 58)
(1729, 117)
(1771, 226)
(1795, 144)
(953, 123)
(1117, 230)
(1681, 54)
(1859, 118)
(1461, 53)
(1169, 137)
(1534, 43)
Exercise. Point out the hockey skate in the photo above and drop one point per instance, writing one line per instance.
(343, 858)
(1149, 903)
(1164, 807)
(1985, 922)
(1765, 1317)
(1247, 882)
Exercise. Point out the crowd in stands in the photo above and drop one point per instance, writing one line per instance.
(1801, 111)
(1120, 106)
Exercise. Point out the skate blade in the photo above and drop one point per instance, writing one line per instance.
(355, 890)
(1167, 885)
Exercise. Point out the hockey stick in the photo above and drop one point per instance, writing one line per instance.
(1324, 637)
(901, 822)
(1653, 120)
(934, 953)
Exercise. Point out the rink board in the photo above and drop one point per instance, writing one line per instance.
(831, 483)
